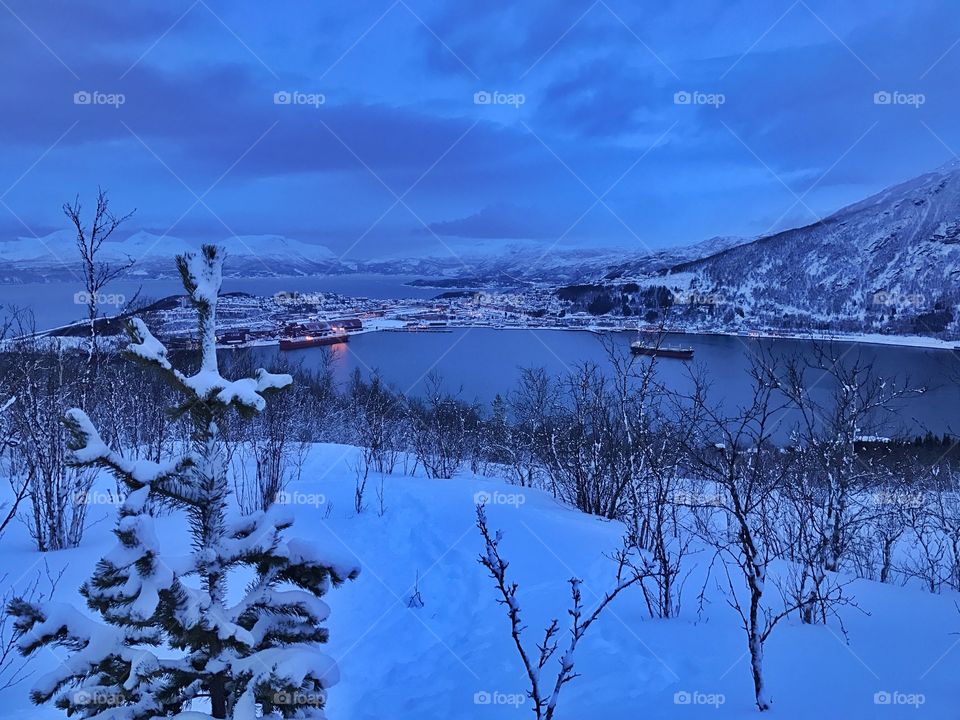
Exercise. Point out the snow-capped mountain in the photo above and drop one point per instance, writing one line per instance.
(499, 262)
(656, 262)
(889, 263)
(54, 256)
(480, 263)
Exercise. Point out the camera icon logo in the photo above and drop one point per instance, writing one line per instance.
(482, 698)
(882, 97)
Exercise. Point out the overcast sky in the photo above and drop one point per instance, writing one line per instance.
(358, 125)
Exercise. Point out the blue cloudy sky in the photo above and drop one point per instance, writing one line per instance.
(775, 124)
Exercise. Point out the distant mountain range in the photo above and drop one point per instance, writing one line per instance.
(890, 263)
(54, 257)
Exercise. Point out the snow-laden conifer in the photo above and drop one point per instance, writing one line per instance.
(232, 629)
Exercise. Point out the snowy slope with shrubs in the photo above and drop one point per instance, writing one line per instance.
(453, 657)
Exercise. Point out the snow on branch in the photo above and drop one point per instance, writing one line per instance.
(87, 448)
(202, 276)
(145, 346)
(92, 643)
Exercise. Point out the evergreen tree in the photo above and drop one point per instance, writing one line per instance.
(176, 635)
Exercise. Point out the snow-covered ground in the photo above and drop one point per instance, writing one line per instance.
(453, 658)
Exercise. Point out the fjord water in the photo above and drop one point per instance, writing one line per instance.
(480, 363)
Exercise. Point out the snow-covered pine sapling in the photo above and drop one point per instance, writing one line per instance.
(178, 634)
(543, 695)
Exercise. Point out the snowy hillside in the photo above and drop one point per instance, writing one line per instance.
(655, 263)
(453, 657)
(890, 262)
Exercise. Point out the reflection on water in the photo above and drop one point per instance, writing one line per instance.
(481, 363)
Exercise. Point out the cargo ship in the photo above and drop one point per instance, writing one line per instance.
(680, 353)
(297, 336)
(308, 341)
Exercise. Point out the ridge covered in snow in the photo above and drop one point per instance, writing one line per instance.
(30, 258)
(888, 263)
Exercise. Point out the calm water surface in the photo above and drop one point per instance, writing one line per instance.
(480, 363)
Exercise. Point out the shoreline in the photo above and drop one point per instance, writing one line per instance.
(914, 341)
(391, 325)
(906, 341)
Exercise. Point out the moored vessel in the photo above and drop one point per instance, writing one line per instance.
(297, 336)
(307, 341)
(638, 347)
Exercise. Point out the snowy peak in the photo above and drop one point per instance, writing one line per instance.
(144, 245)
(152, 254)
(276, 247)
(57, 246)
(888, 263)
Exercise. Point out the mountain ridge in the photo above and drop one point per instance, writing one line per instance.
(887, 263)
